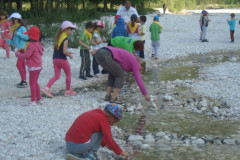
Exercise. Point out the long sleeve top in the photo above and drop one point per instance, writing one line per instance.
(19, 39)
(87, 124)
(232, 24)
(129, 63)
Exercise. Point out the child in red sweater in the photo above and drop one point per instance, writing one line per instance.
(92, 129)
(33, 56)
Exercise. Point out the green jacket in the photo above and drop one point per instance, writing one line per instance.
(155, 30)
(124, 43)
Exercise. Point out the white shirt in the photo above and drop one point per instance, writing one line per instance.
(126, 14)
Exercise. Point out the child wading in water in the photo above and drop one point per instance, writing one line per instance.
(155, 29)
(60, 59)
(33, 58)
(5, 32)
(98, 40)
(232, 24)
(19, 39)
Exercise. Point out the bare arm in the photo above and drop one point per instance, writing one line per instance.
(65, 51)
(84, 45)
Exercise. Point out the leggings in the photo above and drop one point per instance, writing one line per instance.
(21, 68)
(4, 45)
(232, 35)
(58, 65)
(34, 86)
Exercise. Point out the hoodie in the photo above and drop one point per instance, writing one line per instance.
(119, 30)
(33, 54)
(19, 39)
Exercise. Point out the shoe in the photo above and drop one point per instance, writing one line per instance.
(156, 58)
(116, 101)
(83, 78)
(22, 84)
(70, 93)
(89, 76)
(107, 98)
(153, 55)
(46, 92)
(205, 40)
(40, 101)
(31, 103)
(5, 58)
(91, 156)
(74, 157)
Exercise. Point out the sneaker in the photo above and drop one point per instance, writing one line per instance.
(107, 98)
(74, 157)
(46, 92)
(156, 58)
(40, 101)
(82, 77)
(22, 84)
(31, 103)
(116, 101)
(89, 75)
(70, 93)
(153, 55)
(91, 156)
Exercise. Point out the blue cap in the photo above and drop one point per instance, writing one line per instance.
(156, 18)
(205, 12)
(115, 110)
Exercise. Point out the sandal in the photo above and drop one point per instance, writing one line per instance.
(107, 98)
(116, 101)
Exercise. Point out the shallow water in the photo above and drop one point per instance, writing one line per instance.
(173, 118)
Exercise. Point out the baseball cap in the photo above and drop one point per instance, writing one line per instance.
(156, 18)
(99, 23)
(34, 33)
(67, 24)
(15, 15)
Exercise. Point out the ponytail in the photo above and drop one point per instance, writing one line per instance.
(58, 34)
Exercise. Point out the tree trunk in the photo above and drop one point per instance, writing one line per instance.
(105, 5)
(68, 5)
(10, 4)
(41, 4)
(83, 3)
(2, 4)
(19, 5)
(111, 5)
(49, 6)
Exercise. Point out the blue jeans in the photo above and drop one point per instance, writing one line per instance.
(155, 48)
(83, 148)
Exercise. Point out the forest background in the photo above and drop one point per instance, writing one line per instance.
(47, 14)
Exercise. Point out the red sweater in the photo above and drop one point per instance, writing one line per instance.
(87, 124)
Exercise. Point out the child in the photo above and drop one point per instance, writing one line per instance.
(115, 21)
(33, 58)
(60, 59)
(98, 40)
(200, 22)
(133, 29)
(205, 21)
(19, 39)
(119, 30)
(84, 42)
(155, 29)
(143, 19)
(5, 32)
(232, 23)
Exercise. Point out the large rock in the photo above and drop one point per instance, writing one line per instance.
(229, 141)
(198, 141)
(145, 146)
(135, 138)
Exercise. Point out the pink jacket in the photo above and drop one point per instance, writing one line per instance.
(33, 54)
(5, 29)
(129, 63)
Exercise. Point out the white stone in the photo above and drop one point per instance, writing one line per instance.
(135, 138)
(167, 98)
(145, 146)
(198, 141)
(215, 109)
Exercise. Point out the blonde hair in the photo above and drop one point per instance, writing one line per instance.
(142, 63)
(58, 34)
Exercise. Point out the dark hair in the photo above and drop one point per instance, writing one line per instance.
(143, 18)
(89, 25)
(138, 45)
(232, 15)
(2, 12)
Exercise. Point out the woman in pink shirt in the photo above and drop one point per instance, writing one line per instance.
(115, 61)
(33, 58)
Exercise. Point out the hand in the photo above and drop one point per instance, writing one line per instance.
(93, 52)
(147, 97)
(70, 55)
(89, 48)
(125, 154)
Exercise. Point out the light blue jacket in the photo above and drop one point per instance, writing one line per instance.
(19, 39)
(232, 23)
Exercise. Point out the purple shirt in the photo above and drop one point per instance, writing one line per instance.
(129, 63)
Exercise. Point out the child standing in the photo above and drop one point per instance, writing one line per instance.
(60, 59)
(155, 29)
(33, 58)
(119, 30)
(5, 32)
(205, 21)
(84, 42)
(19, 39)
(200, 22)
(143, 19)
(97, 40)
(232, 24)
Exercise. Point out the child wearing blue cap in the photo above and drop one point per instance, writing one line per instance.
(205, 21)
(155, 29)
(92, 129)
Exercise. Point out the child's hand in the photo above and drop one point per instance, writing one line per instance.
(103, 39)
(70, 55)
(89, 48)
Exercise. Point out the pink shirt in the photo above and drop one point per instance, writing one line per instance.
(129, 63)
(33, 54)
(5, 29)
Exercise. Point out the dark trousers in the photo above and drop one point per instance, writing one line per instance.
(232, 35)
(85, 66)
(95, 66)
(141, 54)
